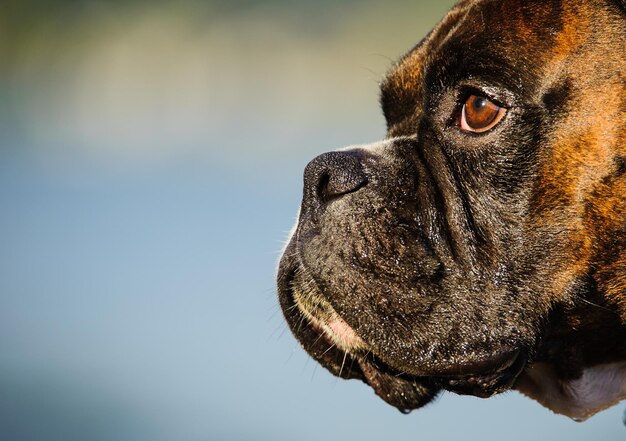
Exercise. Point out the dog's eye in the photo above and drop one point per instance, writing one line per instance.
(479, 114)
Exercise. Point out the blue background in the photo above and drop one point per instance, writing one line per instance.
(150, 168)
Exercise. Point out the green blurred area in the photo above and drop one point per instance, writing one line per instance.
(147, 81)
(67, 19)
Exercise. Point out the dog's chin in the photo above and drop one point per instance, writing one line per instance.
(347, 357)
(335, 345)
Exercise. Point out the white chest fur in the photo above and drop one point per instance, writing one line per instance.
(598, 388)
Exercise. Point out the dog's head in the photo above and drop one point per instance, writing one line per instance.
(465, 246)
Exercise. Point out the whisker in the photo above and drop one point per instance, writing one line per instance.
(282, 333)
(300, 323)
(293, 351)
(280, 328)
(329, 348)
(314, 371)
(345, 355)
(351, 364)
(596, 305)
(291, 308)
(319, 337)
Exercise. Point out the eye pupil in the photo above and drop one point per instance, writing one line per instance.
(479, 102)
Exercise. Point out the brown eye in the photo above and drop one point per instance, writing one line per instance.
(479, 114)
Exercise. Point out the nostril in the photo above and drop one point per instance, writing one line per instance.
(322, 188)
(339, 183)
(332, 175)
(332, 186)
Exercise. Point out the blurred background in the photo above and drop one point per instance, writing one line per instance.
(151, 155)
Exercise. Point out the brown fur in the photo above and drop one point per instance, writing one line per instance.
(479, 263)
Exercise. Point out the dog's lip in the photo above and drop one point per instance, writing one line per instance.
(477, 367)
(396, 389)
(494, 363)
(482, 377)
(507, 367)
(313, 339)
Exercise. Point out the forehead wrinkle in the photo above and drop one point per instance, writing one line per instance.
(471, 25)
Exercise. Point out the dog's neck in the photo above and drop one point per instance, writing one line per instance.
(580, 368)
(588, 331)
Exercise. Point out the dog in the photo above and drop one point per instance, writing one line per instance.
(481, 246)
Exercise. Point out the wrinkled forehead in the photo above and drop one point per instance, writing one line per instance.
(509, 43)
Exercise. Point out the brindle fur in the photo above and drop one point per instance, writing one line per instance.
(456, 248)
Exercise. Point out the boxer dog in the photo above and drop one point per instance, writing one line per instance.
(481, 246)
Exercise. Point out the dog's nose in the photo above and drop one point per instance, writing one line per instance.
(332, 175)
